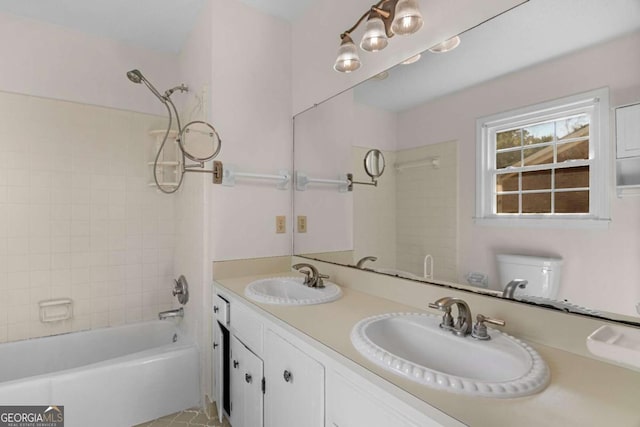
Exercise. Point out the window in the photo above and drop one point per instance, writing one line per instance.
(545, 164)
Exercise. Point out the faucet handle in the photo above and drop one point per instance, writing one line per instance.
(320, 282)
(447, 318)
(479, 330)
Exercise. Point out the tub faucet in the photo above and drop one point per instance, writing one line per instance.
(313, 278)
(462, 326)
(178, 312)
(510, 289)
(360, 264)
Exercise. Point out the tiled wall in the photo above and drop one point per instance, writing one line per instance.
(426, 199)
(77, 218)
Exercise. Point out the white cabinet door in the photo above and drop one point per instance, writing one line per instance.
(353, 403)
(628, 131)
(217, 371)
(246, 386)
(294, 394)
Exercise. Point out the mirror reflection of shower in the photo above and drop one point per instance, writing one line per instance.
(198, 140)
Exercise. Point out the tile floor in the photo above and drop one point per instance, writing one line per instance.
(194, 417)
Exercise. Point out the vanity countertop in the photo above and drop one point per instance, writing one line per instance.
(582, 392)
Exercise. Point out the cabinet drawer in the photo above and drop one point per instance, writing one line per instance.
(221, 310)
(247, 326)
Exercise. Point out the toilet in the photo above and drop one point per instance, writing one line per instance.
(542, 273)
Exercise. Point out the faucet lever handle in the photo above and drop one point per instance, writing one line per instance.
(490, 320)
(434, 306)
(479, 330)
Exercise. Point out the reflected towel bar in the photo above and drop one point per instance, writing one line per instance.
(345, 182)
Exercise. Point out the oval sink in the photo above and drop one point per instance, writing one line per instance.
(414, 346)
(290, 291)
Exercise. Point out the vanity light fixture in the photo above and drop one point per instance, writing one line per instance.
(446, 46)
(413, 59)
(384, 19)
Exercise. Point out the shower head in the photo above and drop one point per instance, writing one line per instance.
(135, 76)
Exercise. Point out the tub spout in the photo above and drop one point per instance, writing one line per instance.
(179, 312)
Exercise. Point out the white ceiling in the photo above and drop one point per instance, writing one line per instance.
(534, 32)
(161, 25)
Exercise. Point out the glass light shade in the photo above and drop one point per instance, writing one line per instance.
(347, 60)
(408, 18)
(375, 36)
(446, 45)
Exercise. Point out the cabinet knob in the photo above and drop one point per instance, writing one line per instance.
(248, 378)
(236, 364)
(215, 345)
(215, 309)
(288, 377)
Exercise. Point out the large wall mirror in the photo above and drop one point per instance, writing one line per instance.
(418, 220)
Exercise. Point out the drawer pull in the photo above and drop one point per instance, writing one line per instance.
(236, 364)
(248, 378)
(288, 377)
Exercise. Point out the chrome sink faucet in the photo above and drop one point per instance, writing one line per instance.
(462, 326)
(360, 264)
(313, 278)
(511, 287)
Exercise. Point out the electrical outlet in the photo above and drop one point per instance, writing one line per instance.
(281, 224)
(302, 224)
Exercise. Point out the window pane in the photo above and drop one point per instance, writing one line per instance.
(510, 158)
(507, 182)
(575, 127)
(508, 139)
(572, 177)
(572, 202)
(536, 203)
(578, 150)
(538, 156)
(538, 180)
(538, 134)
(507, 203)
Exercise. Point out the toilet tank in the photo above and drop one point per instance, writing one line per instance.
(542, 273)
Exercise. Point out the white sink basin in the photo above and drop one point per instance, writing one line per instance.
(291, 291)
(414, 346)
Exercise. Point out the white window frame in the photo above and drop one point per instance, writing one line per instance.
(595, 103)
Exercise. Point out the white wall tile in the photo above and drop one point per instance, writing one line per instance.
(75, 217)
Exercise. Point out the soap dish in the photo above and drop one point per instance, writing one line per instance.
(616, 343)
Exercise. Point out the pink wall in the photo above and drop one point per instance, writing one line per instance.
(50, 61)
(316, 37)
(251, 108)
(601, 266)
(323, 140)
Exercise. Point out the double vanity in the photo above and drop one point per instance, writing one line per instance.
(336, 356)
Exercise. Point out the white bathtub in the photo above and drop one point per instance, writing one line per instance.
(112, 377)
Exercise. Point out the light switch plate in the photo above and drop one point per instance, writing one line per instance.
(281, 224)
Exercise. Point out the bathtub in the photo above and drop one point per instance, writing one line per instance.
(111, 377)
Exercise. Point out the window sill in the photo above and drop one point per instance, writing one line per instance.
(574, 223)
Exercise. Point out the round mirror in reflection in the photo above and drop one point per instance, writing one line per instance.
(199, 141)
(374, 163)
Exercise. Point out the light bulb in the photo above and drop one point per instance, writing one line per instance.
(408, 18)
(375, 36)
(347, 60)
